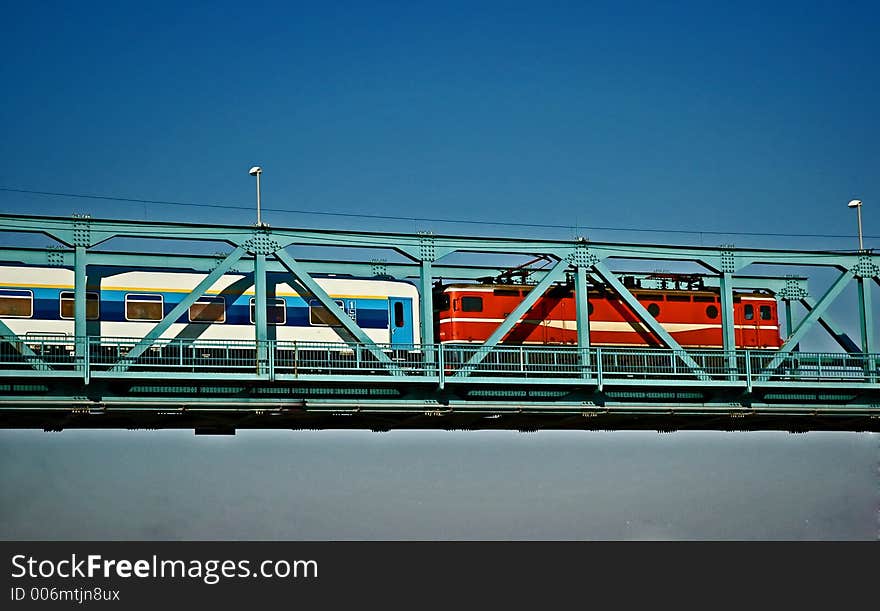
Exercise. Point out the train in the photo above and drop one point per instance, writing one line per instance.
(38, 301)
(469, 313)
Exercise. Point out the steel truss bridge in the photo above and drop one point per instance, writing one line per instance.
(90, 381)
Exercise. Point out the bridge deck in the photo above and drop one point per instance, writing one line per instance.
(428, 386)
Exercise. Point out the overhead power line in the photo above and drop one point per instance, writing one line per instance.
(420, 219)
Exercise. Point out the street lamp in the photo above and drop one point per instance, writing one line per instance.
(857, 204)
(256, 171)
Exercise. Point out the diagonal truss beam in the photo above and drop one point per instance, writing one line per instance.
(294, 267)
(834, 330)
(17, 342)
(645, 317)
(178, 310)
(806, 324)
(512, 319)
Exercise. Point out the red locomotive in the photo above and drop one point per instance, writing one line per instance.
(471, 312)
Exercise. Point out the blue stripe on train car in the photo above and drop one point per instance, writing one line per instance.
(369, 313)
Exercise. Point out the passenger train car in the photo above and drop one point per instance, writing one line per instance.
(469, 313)
(39, 301)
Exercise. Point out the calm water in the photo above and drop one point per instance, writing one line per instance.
(438, 485)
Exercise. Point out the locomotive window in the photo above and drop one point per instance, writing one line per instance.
(765, 312)
(443, 302)
(749, 312)
(711, 311)
(678, 298)
(67, 303)
(589, 309)
(398, 314)
(646, 297)
(654, 310)
(704, 298)
(471, 304)
(320, 316)
(208, 309)
(276, 311)
(143, 307)
(506, 292)
(16, 304)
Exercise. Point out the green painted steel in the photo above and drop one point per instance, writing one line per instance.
(427, 305)
(582, 313)
(83, 372)
(261, 323)
(728, 322)
(512, 366)
(79, 298)
(866, 323)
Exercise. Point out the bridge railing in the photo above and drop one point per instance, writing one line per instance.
(53, 355)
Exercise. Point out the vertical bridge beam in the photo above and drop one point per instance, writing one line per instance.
(866, 326)
(728, 323)
(261, 323)
(427, 311)
(582, 312)
(556, 273)
(81, 340)
(649, 321)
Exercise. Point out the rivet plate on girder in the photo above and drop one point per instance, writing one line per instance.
(426, 247)
(792, 291)
(865, 268)
(262, 244)
(582, 257)
(728, 262)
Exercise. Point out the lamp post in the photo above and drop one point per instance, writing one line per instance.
(256, 171)
(857, 204)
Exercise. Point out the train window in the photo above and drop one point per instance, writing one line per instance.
(399, 321)
(16, 304)
(276, 311)
(711, 311)
(678, 298)
(653, 310)
(67, 302)
(208, 309)
(506, 292)
(320, 316)
(765, 312)
(441, 304)
(589, 309)
(471, 304)
(704, 298)
(749, 312)
(647, 297)
(143, 307)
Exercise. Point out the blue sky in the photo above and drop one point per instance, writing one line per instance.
(690, 116)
